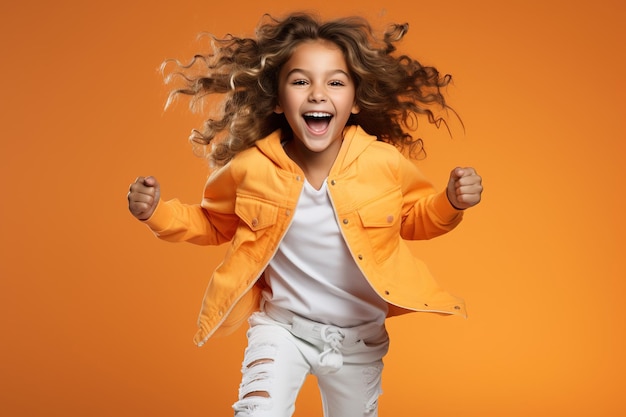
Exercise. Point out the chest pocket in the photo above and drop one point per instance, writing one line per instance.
(380, 218)
(256, 219)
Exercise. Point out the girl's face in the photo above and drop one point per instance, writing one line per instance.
(317, 96)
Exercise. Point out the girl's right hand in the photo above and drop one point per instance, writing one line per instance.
(143, 197)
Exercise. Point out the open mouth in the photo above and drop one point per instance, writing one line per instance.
(317, 121)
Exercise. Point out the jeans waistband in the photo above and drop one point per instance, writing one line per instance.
(307, 329)
(332, 338)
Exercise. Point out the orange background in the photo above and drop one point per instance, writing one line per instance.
(97, 315)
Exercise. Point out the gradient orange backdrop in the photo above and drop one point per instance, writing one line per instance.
(97, 315)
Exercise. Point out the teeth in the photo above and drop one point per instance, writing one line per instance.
(317, 114)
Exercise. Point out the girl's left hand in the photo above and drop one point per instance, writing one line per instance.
(464, 188)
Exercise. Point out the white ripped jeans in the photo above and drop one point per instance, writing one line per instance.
(284, 348)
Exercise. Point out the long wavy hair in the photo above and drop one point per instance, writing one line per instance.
(242, 74)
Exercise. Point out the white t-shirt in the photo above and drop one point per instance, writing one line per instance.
(313, 274)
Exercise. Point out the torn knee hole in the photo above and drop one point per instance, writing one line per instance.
(259, 362)
(257, 372)
(263, 394)
(260, 376)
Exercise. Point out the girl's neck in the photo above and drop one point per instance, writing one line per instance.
(315, 165)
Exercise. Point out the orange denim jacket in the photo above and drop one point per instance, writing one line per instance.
(380, 199)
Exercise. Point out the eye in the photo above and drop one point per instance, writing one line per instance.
(336, 83)
(299, 82)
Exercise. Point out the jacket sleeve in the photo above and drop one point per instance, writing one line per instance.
(212, 222)
(426, 212)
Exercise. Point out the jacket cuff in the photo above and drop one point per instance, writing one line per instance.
(444, 207)
(161, 217)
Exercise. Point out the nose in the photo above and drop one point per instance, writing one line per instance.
(317, 95)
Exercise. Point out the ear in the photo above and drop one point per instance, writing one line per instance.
(355, 108)
(278, 109)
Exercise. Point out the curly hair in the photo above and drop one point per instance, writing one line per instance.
(391, 91)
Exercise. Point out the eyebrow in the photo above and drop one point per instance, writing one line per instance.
(331, 72)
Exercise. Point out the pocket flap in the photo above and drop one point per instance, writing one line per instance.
(256, 213)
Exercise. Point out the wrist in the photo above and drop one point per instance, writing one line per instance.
(456, 207)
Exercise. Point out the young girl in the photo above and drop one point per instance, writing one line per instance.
(311, 191)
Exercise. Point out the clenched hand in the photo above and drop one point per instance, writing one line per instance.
(464, 188)
(143, 197)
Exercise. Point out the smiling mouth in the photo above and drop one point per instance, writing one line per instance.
(317, 121)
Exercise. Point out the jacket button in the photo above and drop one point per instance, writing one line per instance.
(255, 222)
(288, 212)
(457, 307)
(345, 221)
(333, 182)
(386, 292)
(360, 257)
(298, 178)
(390, 219)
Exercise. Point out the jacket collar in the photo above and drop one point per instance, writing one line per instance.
(355, 141)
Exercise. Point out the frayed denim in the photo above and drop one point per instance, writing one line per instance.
(284, 348)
